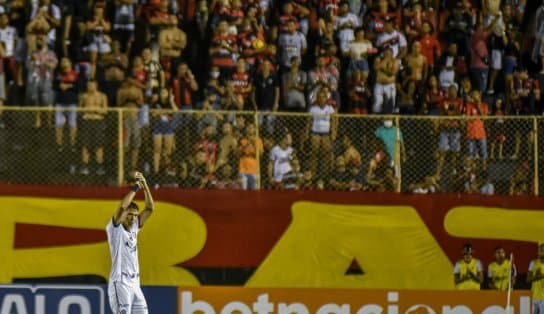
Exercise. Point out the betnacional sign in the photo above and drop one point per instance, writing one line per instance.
(227, 300)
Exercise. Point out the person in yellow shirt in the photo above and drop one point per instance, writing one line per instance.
(468, 271)
(497, 271)
(535, 277)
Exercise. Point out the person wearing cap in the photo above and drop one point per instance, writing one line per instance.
(468, 271)
(535, 277)
(498, 271)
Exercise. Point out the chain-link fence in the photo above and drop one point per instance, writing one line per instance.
(270, 150)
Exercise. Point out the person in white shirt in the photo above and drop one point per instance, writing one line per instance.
(345, 24)
(280, 159)
(392, 38)
(323, 127)
(125, 294)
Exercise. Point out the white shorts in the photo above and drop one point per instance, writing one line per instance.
(126, 298)
(496, 59)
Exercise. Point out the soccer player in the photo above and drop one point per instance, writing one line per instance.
(497, 272)
(125, 294)
(535, 277)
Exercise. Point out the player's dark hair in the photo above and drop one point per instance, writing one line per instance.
(133, 205)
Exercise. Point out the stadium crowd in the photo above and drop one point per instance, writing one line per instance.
(448, 58)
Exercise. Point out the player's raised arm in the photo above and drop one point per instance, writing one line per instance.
(149, 204)
(118, 215)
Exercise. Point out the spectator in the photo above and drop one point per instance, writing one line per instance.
(392, 39)
(226, 180)
(393, 140)
(45, 18)
(449, 143)
(293, 179)
(250, 148)
(67, 86)
(93, 127)
(468, 271)
(154, 73)
(430, 46)
(291, 44)
(279, 163)
(97, 30)
(223, 49)
(322, 76)
(476, 133)
(502, 272)
(266, 94)
(124, 23)
(538, 47)
(479, 56)
(172, 42)
(9, 38)
(457, 28)
(358, 51)
(416, 64)
(429, 185)
(162, 124)
(498, 134)
(359, 93)
(228, 146)
(294, 87)
(434, 96)
(243, 83)
(520, 181)
(323, 127)
(386, 68)
(215, 87)
(525, 94)
(407, 97)
(40, 73)
(251, 41)
(131, 98)
(346, 23)
(340, 179)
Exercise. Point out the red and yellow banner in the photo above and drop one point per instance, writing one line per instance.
(211, 300)
(292, 238)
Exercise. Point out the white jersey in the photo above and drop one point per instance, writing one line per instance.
(124, 252)
(321, 120)
(282, 161)
(395, 40)
(8, 36)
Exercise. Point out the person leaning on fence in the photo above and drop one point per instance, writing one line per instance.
(535, 277)
(499, 269)
(468, 271)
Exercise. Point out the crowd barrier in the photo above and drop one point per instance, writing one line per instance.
(210, 149)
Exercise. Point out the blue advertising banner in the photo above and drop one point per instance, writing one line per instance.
(76, 299)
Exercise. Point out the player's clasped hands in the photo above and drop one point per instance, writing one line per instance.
(140, 179)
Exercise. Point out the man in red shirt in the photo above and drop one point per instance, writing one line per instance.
(476, 135)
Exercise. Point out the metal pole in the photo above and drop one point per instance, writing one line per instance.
(535, 139)
(120, 150)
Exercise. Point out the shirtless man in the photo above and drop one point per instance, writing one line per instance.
(172, 41)
(131, 97)
(417, 63)
(93, 126)
(386, 68)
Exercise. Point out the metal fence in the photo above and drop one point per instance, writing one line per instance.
(270, 150)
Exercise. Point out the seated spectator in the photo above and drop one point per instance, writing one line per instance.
(521, 180)
(340, 179)
(429, 185)
(349, 152)
(226, 179)
(292, 180)
(200, 175)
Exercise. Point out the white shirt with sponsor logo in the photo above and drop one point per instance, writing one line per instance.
(8, 36)
(282, 161)
(395, 40)
(321, 118)
(124, 252)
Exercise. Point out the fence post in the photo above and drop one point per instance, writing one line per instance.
(120, 150)
(397, 156)
(535, 140)
(257, 152)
